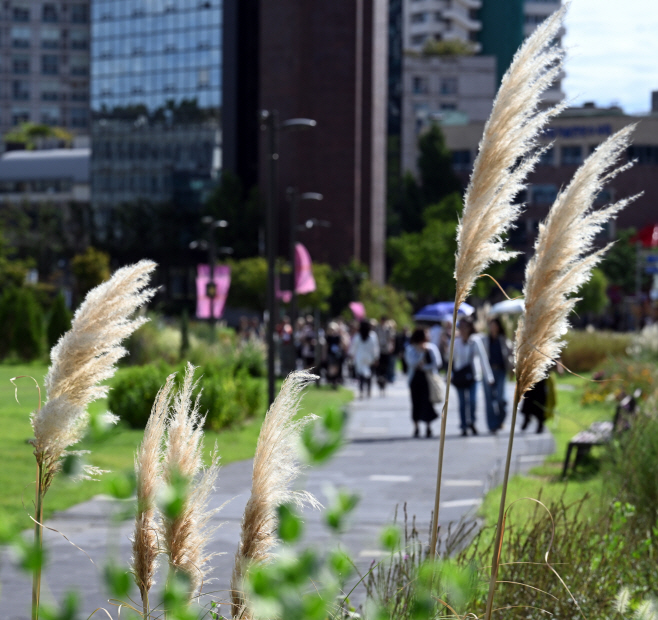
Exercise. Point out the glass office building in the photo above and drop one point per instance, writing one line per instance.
(156, 68)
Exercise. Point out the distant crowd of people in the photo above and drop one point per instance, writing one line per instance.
(370, 351)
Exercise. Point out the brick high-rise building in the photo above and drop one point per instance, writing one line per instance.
(327, 61)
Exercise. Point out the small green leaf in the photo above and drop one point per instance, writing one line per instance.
(341, 563)
(31, 557)
(333, 419)
(290, 525)
(72, 465)
(117, 580)
(121, 486)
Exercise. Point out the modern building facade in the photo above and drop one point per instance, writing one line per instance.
(443, 89)
(44, 75)
(574, 135)
(442, 20)
(156, 99)
(327, 61)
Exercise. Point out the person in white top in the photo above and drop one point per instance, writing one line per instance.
(465, 377)
(364, 350)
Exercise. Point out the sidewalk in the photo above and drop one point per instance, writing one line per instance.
(381, 462)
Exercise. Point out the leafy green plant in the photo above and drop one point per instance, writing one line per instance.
(585, 350)
(27, 337)
(59, 321)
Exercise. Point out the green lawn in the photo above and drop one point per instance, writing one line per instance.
(545, 481)
(114, 453)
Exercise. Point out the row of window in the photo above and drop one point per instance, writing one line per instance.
(150, 24)
(50, 65)
(174, 80)
(420, 85)
(123, 9)
(51, 38)
(136, 183)
(49, 91)
(78, 13)
(196, 47)
(78, 117)
(572, 155)
(42, 186)
(534, 20)
(106, 150)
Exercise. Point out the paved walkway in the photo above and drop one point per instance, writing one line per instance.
(381, 462)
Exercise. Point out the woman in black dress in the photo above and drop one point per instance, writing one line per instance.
(421, 357)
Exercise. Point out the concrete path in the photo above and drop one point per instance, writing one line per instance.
(381, 462)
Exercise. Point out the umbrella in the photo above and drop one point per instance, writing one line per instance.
(509, 306)
(358, 310)
(442, 311)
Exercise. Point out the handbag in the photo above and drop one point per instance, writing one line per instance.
(464, 377)
(436, 387)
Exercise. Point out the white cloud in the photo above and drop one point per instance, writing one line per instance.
(612, 52)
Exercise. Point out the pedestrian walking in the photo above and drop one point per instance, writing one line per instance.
(364, 350)
(465, 374)
(499, 354)
(422, 357)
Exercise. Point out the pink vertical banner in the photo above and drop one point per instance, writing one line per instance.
(222, 282)
(304, 280)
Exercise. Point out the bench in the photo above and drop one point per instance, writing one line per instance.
(600, 433)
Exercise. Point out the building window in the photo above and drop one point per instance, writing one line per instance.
(78, 40)
(79, 96)
(50, 38)
(418, 18)
(450, 107)
(50, 115)
(79, 66)
(49, 13)
(543, 194)
(644, 153)
(20, 65)
(461, 160)
(20, 90)
(418, 39)
(79, 13)
(449, 86)
(473, 14)
(20, 14)
(420, 85)
(20, 36)
(547, 158)
(49, 64)
(19, 115)
(49, 91)
(572, 155)
(534, 20)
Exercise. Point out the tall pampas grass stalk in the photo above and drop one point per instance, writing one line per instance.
(276, 466)
(187, 533)
(562, 263)
(148, 471)
(508, 152)
(84, 357)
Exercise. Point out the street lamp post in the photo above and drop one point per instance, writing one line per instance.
(269, 122)
(211, 287)
(293, 198)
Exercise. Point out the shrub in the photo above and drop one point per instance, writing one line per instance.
(134, 390)
(7, 319)
(154, 342)
(28, 333)
(229, 394)
(585, 350)
(621, 376)
(90, 269)
(184, 333)
(60, 320)
(632, 466)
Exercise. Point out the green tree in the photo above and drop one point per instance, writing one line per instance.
(619, 263)
(28, 134)
(8, 310)
(593, 295)
(59, 322)
(90, 269)
(248, 283)
(241, 210)
(184, 333)
(28, 334)
(345, 286)
(385, 300)
(437, 180)
(12, 272)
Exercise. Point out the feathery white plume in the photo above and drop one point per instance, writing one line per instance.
(507, 153)
(84, 357)
(187, 534)
(276, 466)
(563, 261)
(148, 471)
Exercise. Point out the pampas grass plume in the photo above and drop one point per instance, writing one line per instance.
(187, 534)
(506, 155)
(276, 467)
(563, 261)
(148, 471)
(84, 357)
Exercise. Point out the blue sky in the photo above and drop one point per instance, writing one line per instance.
(612, 53)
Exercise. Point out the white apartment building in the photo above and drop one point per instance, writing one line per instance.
(440, 20)
(457, 89)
